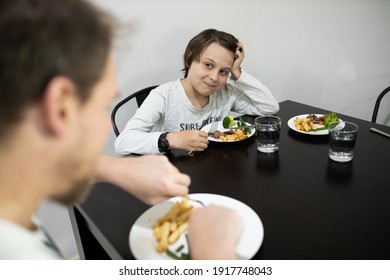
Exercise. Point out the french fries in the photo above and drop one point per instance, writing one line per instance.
(172, 225)
(237, 135)
(304, 124)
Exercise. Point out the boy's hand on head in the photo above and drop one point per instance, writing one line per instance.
(238, 58)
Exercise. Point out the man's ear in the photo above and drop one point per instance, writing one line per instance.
(59, 105)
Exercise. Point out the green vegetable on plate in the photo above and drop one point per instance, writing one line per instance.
(332, 117)
(228, 122)
(243, 123)
(178, 254)
(182, 256)
(329, 118)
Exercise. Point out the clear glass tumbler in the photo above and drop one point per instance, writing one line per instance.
(342, 140)
(268, 133)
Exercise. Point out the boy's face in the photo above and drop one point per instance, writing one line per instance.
(90, 135)
(210, 73)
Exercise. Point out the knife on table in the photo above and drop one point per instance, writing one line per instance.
(380, 132)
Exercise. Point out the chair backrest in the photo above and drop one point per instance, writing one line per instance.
(140, 96)
(377, 103)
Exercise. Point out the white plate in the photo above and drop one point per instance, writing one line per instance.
(220, 127)
(291, 124)
(143, 244)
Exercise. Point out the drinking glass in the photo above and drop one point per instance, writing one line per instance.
(342, 140)
(268, 133)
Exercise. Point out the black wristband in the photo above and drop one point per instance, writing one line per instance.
(163, 144)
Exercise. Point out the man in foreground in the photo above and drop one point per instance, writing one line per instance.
(57, 82)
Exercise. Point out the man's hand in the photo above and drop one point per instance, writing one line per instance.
(213, 233)
(150, 178)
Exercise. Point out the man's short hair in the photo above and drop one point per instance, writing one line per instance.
(42, 39)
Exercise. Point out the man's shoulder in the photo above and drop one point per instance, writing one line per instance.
(17, 242)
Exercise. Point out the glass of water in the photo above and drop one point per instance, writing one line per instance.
(342, 140)
(268, 133)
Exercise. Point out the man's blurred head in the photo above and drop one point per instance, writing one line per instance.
(57, 83)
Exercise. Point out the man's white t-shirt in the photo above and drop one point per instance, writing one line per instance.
(19, 243)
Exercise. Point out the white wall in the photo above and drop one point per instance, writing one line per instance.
(326, 53)
(330, 54)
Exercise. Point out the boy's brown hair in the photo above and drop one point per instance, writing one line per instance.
(200, 42)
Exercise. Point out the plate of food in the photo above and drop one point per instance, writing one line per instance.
(231, 133)
(144, 244)
(312, 124)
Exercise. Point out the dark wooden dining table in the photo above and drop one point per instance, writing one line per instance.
(312, 208)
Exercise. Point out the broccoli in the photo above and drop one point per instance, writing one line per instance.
(228, 122)
(241, 122)
(332, 117)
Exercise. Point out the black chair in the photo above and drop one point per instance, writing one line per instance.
(377, 103)
(140, 96)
